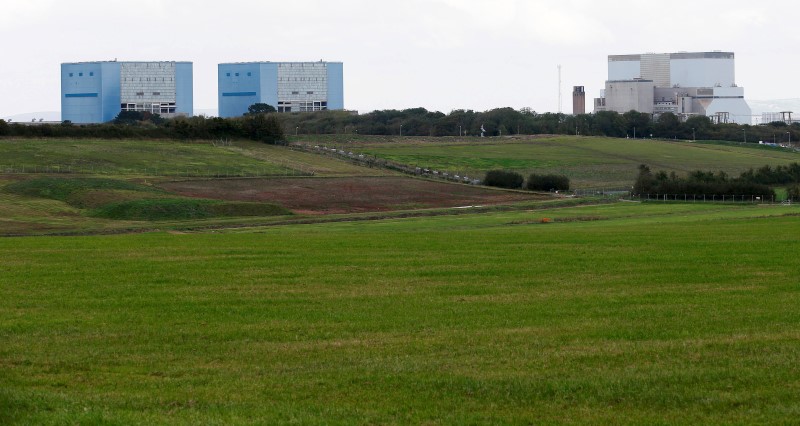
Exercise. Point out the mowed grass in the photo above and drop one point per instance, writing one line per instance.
(623, 313)
(587, 161)
(164, 158)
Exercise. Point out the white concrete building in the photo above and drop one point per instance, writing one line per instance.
(683, 83)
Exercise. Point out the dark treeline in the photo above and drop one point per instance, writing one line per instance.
(698, 183)
(507, 121)
(270, 127)
(136, 125)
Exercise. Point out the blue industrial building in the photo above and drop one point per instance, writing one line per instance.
(287, 86)
(96, 92)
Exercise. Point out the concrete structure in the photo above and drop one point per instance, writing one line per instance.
(287, 86)
(96, 92)
(682, 83)
(578, 100)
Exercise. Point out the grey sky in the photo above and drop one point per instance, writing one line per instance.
(438, 54)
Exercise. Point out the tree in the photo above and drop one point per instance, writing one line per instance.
(548, 182)
(645, 181)
(637, 123)
(260, 108)
(668, 125)
(4, 128)
(793, 192)
(263, 128)
(609, 123)
(503, 179)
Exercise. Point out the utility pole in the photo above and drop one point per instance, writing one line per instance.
(559, 88)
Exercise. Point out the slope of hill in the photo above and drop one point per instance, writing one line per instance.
(587, 161)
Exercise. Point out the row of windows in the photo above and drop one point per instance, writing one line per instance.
(286, 106)
(142, 93)
(91, 74)
(249, 74)
(156, 108)
(148, 79)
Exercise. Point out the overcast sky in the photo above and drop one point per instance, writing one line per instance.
(438, 54)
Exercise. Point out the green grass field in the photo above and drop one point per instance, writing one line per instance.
(587, 161)
(562, 310)
(166, 158)
(621, 313)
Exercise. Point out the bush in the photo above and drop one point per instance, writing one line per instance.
(793, 192)
(548, 183)
(503, 179)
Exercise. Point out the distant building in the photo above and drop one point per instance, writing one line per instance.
(96, 92)
(578, 100)
(287, 86)
(685, 84)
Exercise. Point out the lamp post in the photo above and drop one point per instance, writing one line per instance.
(401, 130)
(459, 130)
(744, 135)
(789, 135)
(693, 137)
(296, 129)
(634, 132)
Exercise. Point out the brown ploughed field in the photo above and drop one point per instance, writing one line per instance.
(347, 194)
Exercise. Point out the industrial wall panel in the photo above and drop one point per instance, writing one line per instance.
(624, 70)
(241, 80)
(705, 72)
(81, 93)
(110, 75)
(335, 85)
(184, 87)
(268, 80)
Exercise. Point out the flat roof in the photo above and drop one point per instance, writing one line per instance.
(280, 62)
(675, 55)
(126, 62)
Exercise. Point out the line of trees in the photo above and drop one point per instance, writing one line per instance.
(262, 127)
(508, 121)
(261, 123)
(697, 183)
(535, 182)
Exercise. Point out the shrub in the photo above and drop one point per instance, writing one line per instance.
(503, 179)
(793, 192)
(548, 183)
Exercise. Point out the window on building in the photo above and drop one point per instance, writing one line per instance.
(139, 93)
(237, 74)
(91, 73)
(80, 74)
(249, 74)
(309, 93)
(227, 74)
(70, 74)
(156, 93)
(295, 93)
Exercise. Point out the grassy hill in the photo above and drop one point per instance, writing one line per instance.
(587, 161)
(166, 158)
(623, 313)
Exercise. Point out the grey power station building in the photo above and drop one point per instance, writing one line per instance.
(684, 83)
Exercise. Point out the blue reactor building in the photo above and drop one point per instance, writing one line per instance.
(287, 86)
(96, 92)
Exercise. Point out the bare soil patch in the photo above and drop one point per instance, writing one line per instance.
(346, 194)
